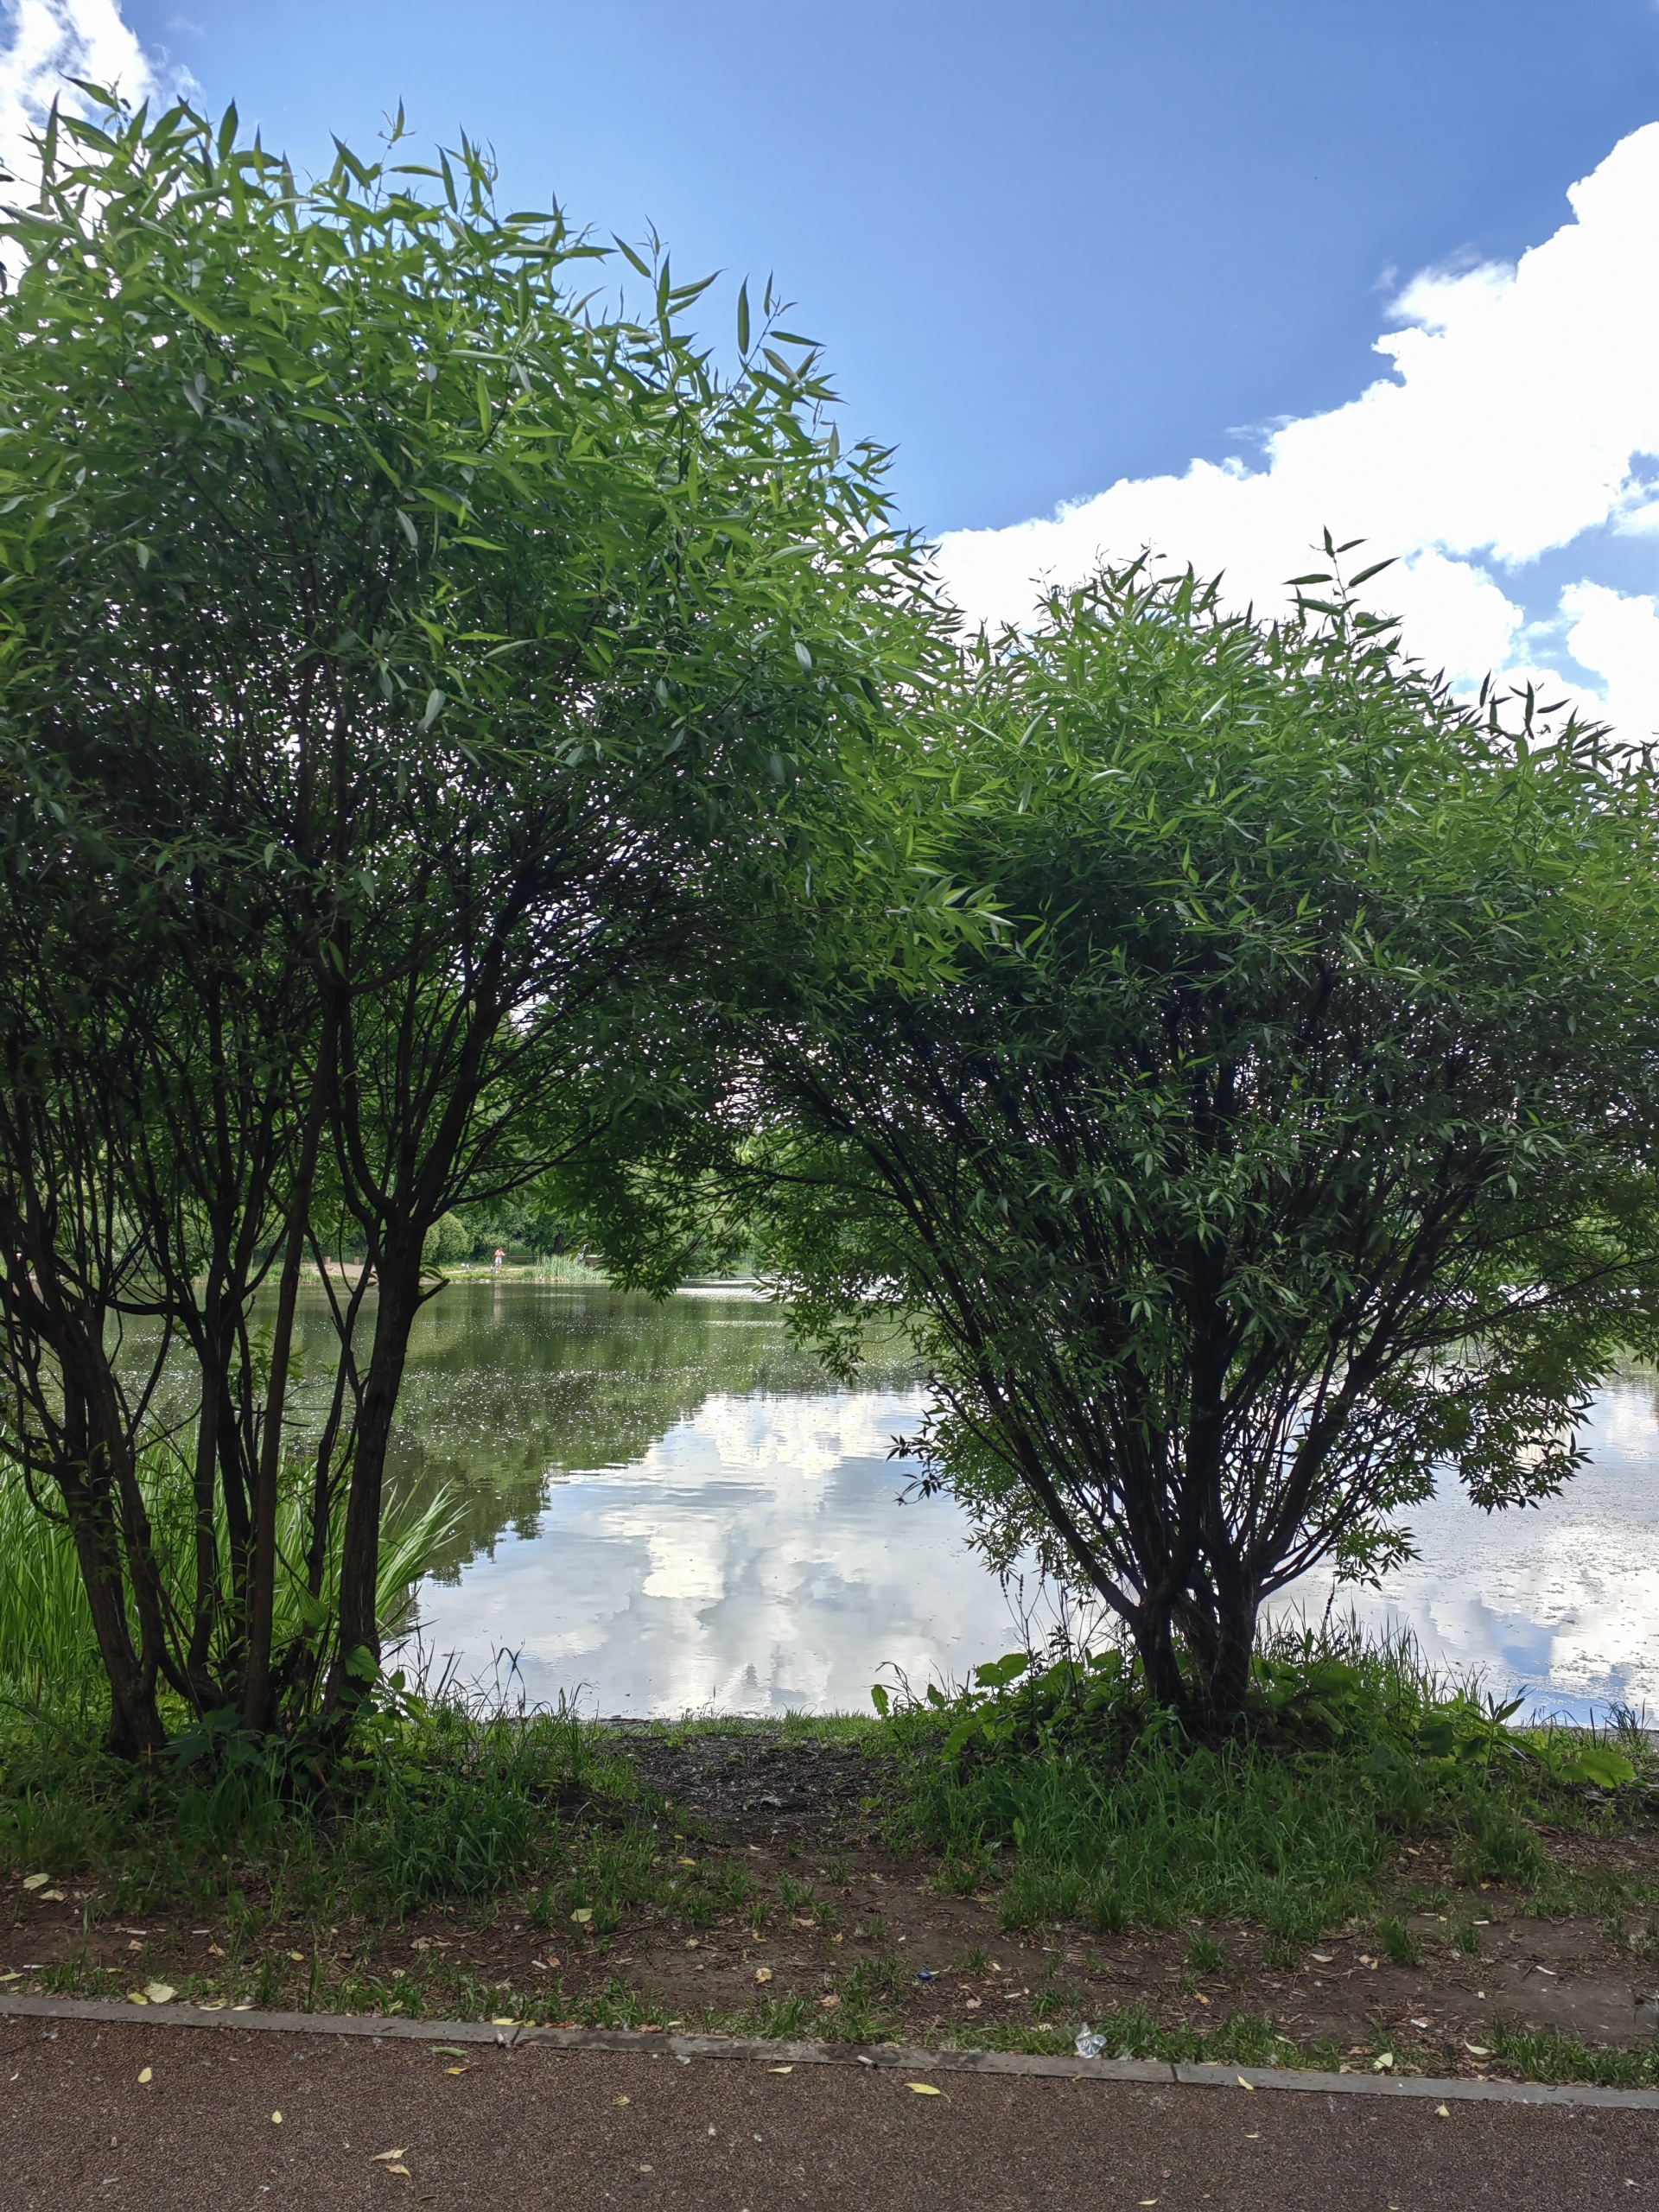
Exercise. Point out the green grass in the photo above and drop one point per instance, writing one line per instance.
(1541, 2054)
(1078, 1804)
(440, 1810)
(856, 1730)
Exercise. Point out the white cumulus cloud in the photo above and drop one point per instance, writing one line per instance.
(1616, 635)
(1522, 412)
(51, 42)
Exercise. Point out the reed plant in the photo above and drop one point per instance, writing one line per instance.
(46, 1632)
(559, 1267)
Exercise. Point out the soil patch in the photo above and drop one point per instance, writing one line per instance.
(781, 1911)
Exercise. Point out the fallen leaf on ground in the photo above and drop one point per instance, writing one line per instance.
(276, 2119)
(380, 2157)
(924, 2089)
(830, 2004)
(582, 1915)
(621, 2100)
(145, 2074)
(763, 1973)
(160, 1993)
(35, 1881)
(298, 1957)
(1442, 2112)
(1244, 2084)
(55, 1896)
(136, 1997)
(447, 2050)
(781, 2069)
(457, 2070)
(1380, 2064)
(1477, 2051)
(399, 2170)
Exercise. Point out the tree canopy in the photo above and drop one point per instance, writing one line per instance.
(405, 658)
(1291, 1141)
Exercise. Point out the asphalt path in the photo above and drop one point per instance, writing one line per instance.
(175, 2119)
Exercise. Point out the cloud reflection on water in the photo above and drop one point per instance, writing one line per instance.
(668, 1509)
(1562, 1602)
(754, 1559)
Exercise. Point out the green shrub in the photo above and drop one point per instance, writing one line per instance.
(1101, 1810)
(448, 1242)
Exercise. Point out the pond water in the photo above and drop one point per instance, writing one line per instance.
(668, 1507)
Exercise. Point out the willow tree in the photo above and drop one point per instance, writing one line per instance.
(447, 656)
(1291, 1145)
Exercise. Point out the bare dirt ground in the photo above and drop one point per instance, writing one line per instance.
(848, 1925)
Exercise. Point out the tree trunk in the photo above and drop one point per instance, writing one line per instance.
(90, 1499)
(135, 1729)
(1154, 1640)
(399, 1272)
(1218, 1627)
(261, 1579)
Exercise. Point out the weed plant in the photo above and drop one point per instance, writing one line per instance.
(1086, 1802)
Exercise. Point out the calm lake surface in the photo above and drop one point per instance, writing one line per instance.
(670, 1507)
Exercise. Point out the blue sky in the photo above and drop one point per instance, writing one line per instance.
(1056, 247)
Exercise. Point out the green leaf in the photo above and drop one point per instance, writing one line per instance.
(1597, 1763)
(743, 316)
(1366, 575)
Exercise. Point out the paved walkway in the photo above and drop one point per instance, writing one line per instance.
(177, 2119)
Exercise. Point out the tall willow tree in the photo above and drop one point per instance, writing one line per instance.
(1293, 1142)
(405, 663)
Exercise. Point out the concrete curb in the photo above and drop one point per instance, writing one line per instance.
(888, 2057)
